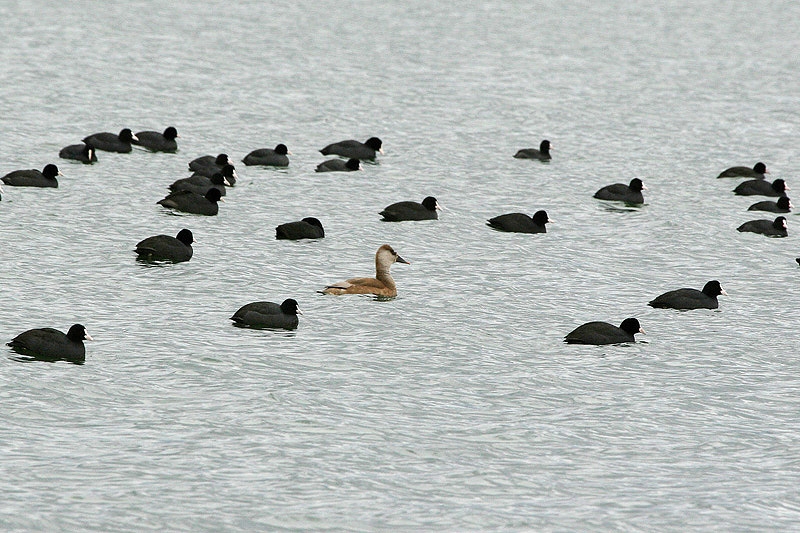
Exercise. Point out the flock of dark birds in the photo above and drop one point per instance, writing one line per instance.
(200, 193)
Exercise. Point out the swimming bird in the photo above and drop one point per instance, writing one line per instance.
(355, 150)
(112, 142)
(770, 228)
(408, 210)
(191, 202)
(201, 184)
(52, 344)
(337, 165)
(308, 228)
(209, 164)
(604, 333)
(783, 205)
(761, 188)
(381, 285)
(268, 315)
(758, 171)
(227, 171)
(85, 153)
(691, 298)
(166, 248)
(520, 222)
(33, 178)
(272, 157)
(542, 154)
(631, 193)
(156, 141)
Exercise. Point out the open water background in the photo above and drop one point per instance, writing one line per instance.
(456, 406)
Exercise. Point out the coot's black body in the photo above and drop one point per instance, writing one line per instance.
(520, 222)
(267, 315)
(770, 228)
(337, 165)
(761, 188)
(690, 298)
(271, 157)
(166, 248)
(191, 202)
(85, 153)
(352, 149)
(400, 211)
(542, 154)
(308, 228)
(52, 345)
(604, 333)
(112, 142)
(33, 178)
(631, 193)
(156, 141)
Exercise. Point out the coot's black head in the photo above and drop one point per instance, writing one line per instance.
(636, 185)
(289, 306)
(430, 203)
(784, 202)
(228, 170)
(185, 236)
(223, 159)
(544, 146)
(760, 167)
(779, 185)
(213, 194)
(353, 164)
(170, 133)
(713, 289)
(125, 135)
(218, 179)
(540, 217)
(313, 221)
(51, 171)
(281, 149)
(779, 223)
(374, 143)
(78, 333)
(631, 326)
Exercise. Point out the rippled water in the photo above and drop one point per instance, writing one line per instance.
(455, 406)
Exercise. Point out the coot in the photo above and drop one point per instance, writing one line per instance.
(762, 188)
(691, 298)
(542, 154)
(308, 228)
(268, 315)
(426, 210)
(191, 202)
(166, 248)
(770, 228)
(51, 344)
(604, 333)
(337, 165)
(354, 149)
(85, 153)
(156, 141)
(273, 157)
(33, 177)
(631, 193)
(112, 142)
(520, 222)
(757, 172)
(783, 205)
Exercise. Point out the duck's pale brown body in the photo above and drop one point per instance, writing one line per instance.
(381, 285)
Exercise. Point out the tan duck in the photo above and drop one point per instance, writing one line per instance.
(381, 285)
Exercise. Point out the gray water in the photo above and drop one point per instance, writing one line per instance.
(455, 406)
